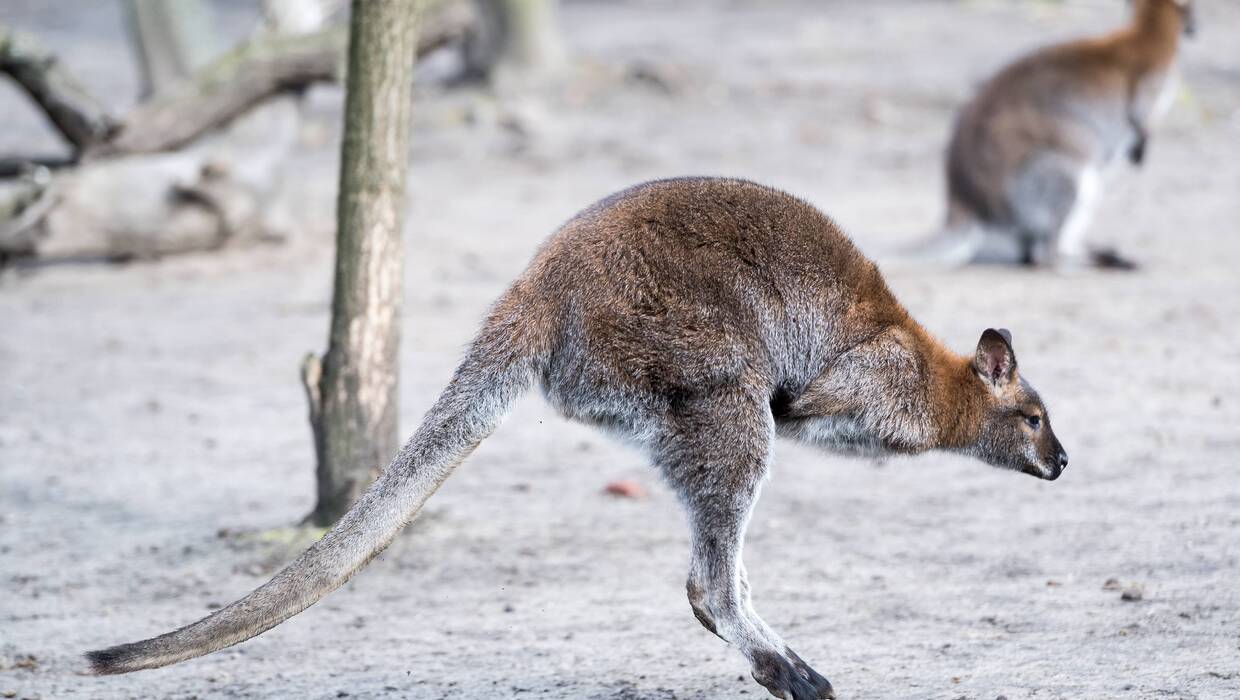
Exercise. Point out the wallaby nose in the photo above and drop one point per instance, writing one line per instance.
(1063, 460)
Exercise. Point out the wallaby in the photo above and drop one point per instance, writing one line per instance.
(1028, 154)
(698, 318)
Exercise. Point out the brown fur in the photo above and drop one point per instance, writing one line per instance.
(698, 318)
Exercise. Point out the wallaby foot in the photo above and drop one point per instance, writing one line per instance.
(788, 679)
(1110, 259)
(715, 452)
(822, 686)
(1028, 251)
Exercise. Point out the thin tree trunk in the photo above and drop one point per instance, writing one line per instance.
(172, 39)
(534, 41)
(355, 419)
(519, 37)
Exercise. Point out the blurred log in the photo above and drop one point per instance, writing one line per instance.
(145, 206)
(21, 214)
(255, 71)
(230, 85)
(192, 169)
(75, 113)
(227, 87)
(11, 167)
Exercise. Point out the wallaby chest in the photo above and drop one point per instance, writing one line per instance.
(843, 434)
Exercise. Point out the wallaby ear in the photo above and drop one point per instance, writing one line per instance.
(995, 362)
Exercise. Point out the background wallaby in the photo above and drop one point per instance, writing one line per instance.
(698, 318)
(1027, 156)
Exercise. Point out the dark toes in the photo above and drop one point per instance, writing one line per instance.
(1110, 259)
(816, 679)
(785, 680)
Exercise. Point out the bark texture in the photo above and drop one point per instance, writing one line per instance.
(355, 419)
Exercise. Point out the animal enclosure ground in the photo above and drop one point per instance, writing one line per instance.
(151, 420)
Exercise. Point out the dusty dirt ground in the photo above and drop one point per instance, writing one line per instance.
(150, 411)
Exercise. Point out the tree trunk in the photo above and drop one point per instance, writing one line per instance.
(517, 37)
(172, 40)
(533, 34)
(355, 415)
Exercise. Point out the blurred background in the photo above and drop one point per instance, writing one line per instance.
(155, 449)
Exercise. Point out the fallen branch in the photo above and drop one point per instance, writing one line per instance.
(258, 69)
(75, 113)
(22, 214)
(168, 178)
(11, 167)
(227, 87)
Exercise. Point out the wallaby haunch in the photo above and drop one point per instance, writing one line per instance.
(698, 318)
(1028, 154)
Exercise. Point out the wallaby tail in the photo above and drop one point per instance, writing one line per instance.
(953, 246)
(490, 378)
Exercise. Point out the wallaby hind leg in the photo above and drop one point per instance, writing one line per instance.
(715, 453)
(1046, 209)
(1070, 247)
(1053, 203)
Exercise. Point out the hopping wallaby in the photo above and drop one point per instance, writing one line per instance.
(699, 318)
(1028, 154)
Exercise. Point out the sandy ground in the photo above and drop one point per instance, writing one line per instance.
(150, 411)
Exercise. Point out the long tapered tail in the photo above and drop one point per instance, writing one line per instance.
(953, 246)
(485, 385)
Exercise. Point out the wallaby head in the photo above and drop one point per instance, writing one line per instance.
(1153, 10)
(1014, 426)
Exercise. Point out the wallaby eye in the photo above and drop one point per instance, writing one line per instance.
(1034, 422)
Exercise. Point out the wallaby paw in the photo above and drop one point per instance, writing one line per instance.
(1110, 259)
(816, 679)
(790, 680)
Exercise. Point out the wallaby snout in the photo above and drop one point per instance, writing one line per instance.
(1051, 466)
(1052, 470)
